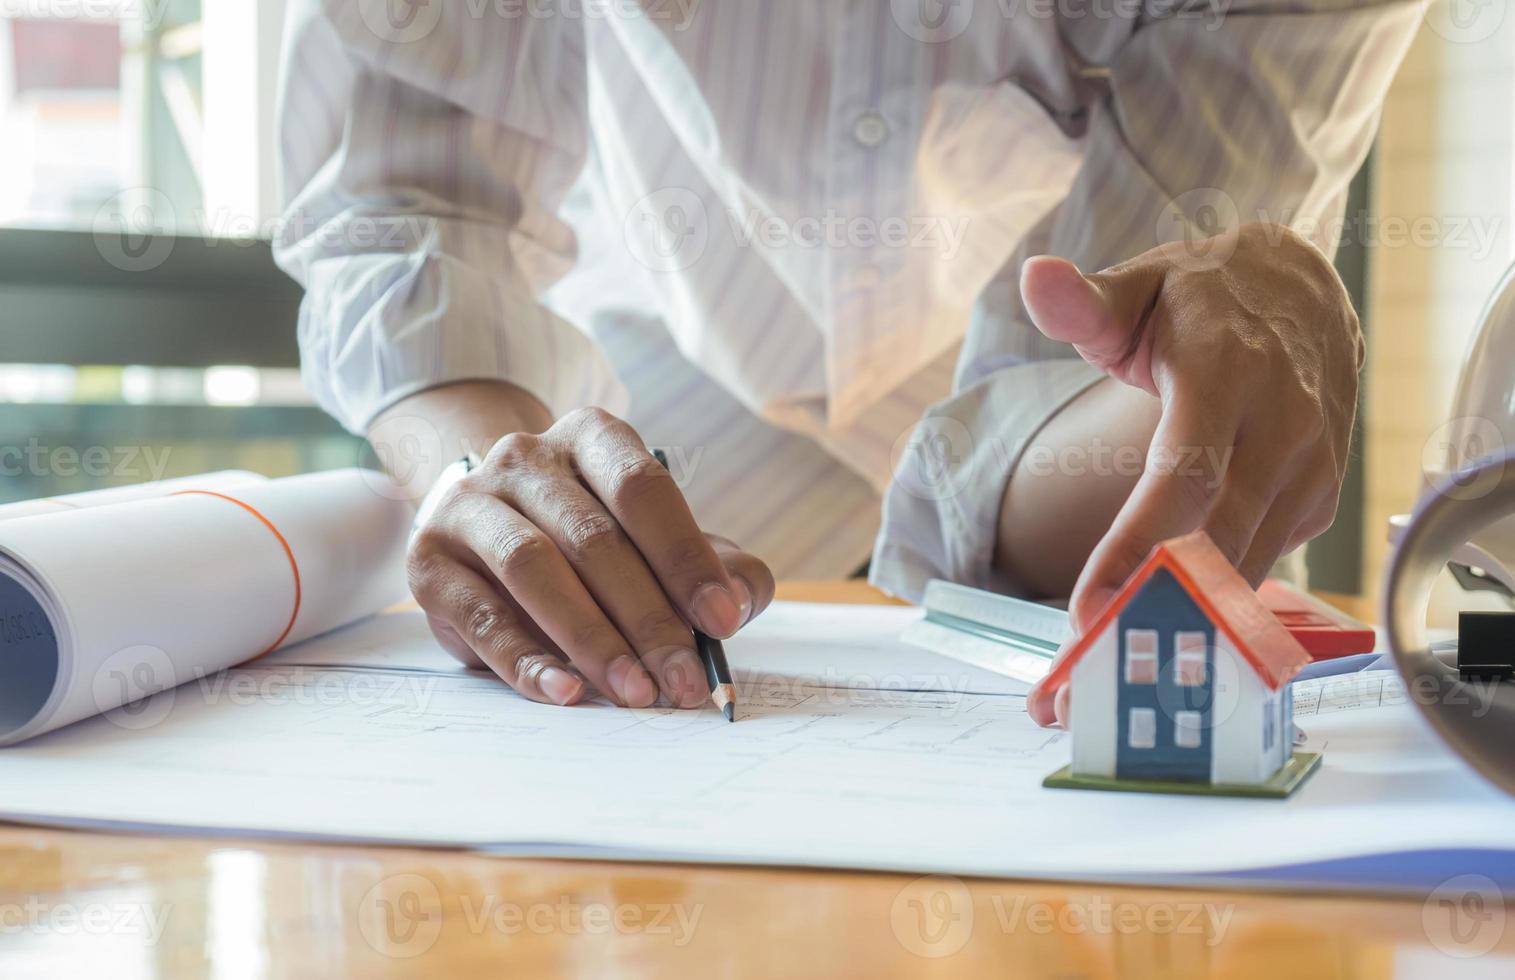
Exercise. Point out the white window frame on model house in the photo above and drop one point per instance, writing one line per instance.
(1141, 728)
(1141, 656)
(1190, 650)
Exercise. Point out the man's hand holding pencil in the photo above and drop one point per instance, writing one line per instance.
(572, 557)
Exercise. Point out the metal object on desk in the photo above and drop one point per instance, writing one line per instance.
(1478, 724)
(1486, 646)
(1004, 635)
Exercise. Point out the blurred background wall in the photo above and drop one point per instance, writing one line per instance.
(1444, 175)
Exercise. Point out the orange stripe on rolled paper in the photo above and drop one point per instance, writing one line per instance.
(289, 553)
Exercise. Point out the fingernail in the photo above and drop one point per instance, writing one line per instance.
(560, 685)
(684, 680)
(718, 613)
(743, 598)
(631, 684)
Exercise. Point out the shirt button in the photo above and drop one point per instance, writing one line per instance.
(870, 129)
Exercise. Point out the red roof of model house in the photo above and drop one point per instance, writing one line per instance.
(1224, 596)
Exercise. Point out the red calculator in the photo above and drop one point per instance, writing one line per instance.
(1323, 630)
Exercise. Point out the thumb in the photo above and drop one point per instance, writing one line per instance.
(1048, 706)
(1102, 315)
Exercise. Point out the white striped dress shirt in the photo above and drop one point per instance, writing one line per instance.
(782, 238)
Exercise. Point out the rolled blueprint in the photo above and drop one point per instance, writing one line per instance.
(222, 480)
(102, 606)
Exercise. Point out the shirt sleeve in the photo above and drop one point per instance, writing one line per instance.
(1203, 116)
(422, 159)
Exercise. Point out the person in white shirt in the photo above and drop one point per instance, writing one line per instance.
(827, 255)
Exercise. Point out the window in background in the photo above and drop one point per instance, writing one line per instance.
(68, 148)
(157, 114)
(68, 428)
(154, 117)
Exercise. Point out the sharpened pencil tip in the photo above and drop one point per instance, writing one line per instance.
(724, 696)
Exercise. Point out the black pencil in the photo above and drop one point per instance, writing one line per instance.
(712, 654)
(718, 673)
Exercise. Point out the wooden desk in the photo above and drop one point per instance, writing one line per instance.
(77, 904)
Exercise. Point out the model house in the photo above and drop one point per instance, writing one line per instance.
(1183, 678)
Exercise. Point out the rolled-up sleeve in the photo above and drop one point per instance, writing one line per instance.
(1206, 116)
(422, 162)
